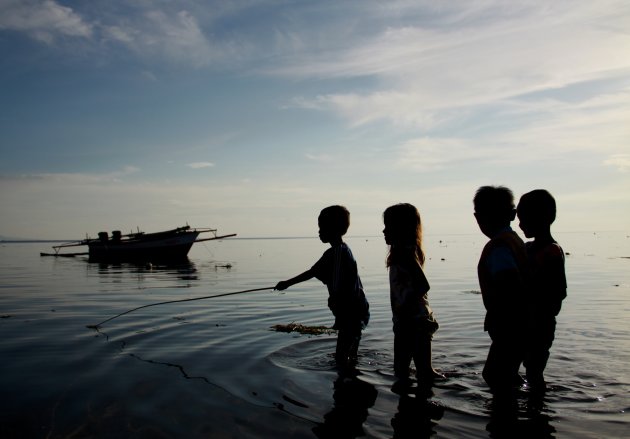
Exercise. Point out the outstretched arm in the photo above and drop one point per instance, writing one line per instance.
(283, 285)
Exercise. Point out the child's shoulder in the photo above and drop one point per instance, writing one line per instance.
(338, 250)
(548, 250)
(553, 250)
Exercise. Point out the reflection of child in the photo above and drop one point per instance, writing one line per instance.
(536, 212)
(502, 271)
(413, 319)
(337, 269)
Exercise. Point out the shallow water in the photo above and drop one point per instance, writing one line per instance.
(214, 368)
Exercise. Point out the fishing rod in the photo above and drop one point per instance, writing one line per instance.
(175, 301)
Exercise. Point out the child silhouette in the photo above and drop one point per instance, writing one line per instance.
(337, 269)
(536, 212)
(503, 274)
(414, 323)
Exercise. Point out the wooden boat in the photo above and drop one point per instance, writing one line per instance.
(170, 245)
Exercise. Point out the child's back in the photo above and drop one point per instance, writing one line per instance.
(337, 269)
(548, 280)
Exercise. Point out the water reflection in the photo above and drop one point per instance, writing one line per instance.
(352, 399)
(185, 270)
(514, 417)
(416, 414)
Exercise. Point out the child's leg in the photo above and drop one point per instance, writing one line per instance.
(402, 354)
(503, 362)
(422, 359)
(538, 353)
(353, 351)
(347, 347)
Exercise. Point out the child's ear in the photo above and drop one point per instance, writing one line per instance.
(512, 214)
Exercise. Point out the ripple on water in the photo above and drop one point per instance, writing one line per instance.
(312, 354)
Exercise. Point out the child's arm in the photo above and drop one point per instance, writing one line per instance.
(283, 285)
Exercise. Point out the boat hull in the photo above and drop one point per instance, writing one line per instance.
(146, 248)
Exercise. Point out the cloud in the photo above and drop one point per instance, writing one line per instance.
(427, 75)
(398, 108)
(433, 154)
(42, 20)
(619, 161)
(149, 31)
(73, 179)
(200, 165)
(176, 37)
(319, 157)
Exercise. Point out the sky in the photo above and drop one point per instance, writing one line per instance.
(250, 116)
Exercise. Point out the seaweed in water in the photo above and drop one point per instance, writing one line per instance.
(302, 329)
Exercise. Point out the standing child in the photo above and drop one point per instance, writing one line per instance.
(503, 274)
(413, 319)
(536, 212)
(337, 269)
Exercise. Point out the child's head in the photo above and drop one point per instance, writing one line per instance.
(536, 212)
(494, 208)
(403, 228)
(333, 222)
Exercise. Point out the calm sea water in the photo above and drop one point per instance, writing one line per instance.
(215, 369)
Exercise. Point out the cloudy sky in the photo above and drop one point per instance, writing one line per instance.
(252, 115)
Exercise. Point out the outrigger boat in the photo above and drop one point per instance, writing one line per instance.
(169, 245)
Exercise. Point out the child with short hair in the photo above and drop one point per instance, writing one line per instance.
(503, 276)
(337, 269)
(536, 212)
(414, 323)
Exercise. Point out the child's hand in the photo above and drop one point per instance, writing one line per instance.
(282, 285)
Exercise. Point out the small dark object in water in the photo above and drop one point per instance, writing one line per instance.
(294, 402)
(309, 330)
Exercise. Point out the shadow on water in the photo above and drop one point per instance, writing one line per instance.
(519, 416)
(416, 418)
(352, 399)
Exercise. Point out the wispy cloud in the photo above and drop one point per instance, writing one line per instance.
(619, 161)
(433, 154)
(319, 157)
(200, 165)
(150, 31)
(73, 179)
(174, 36)
(518, 133)
(43, 20)
(396, 107)
(423, 76)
